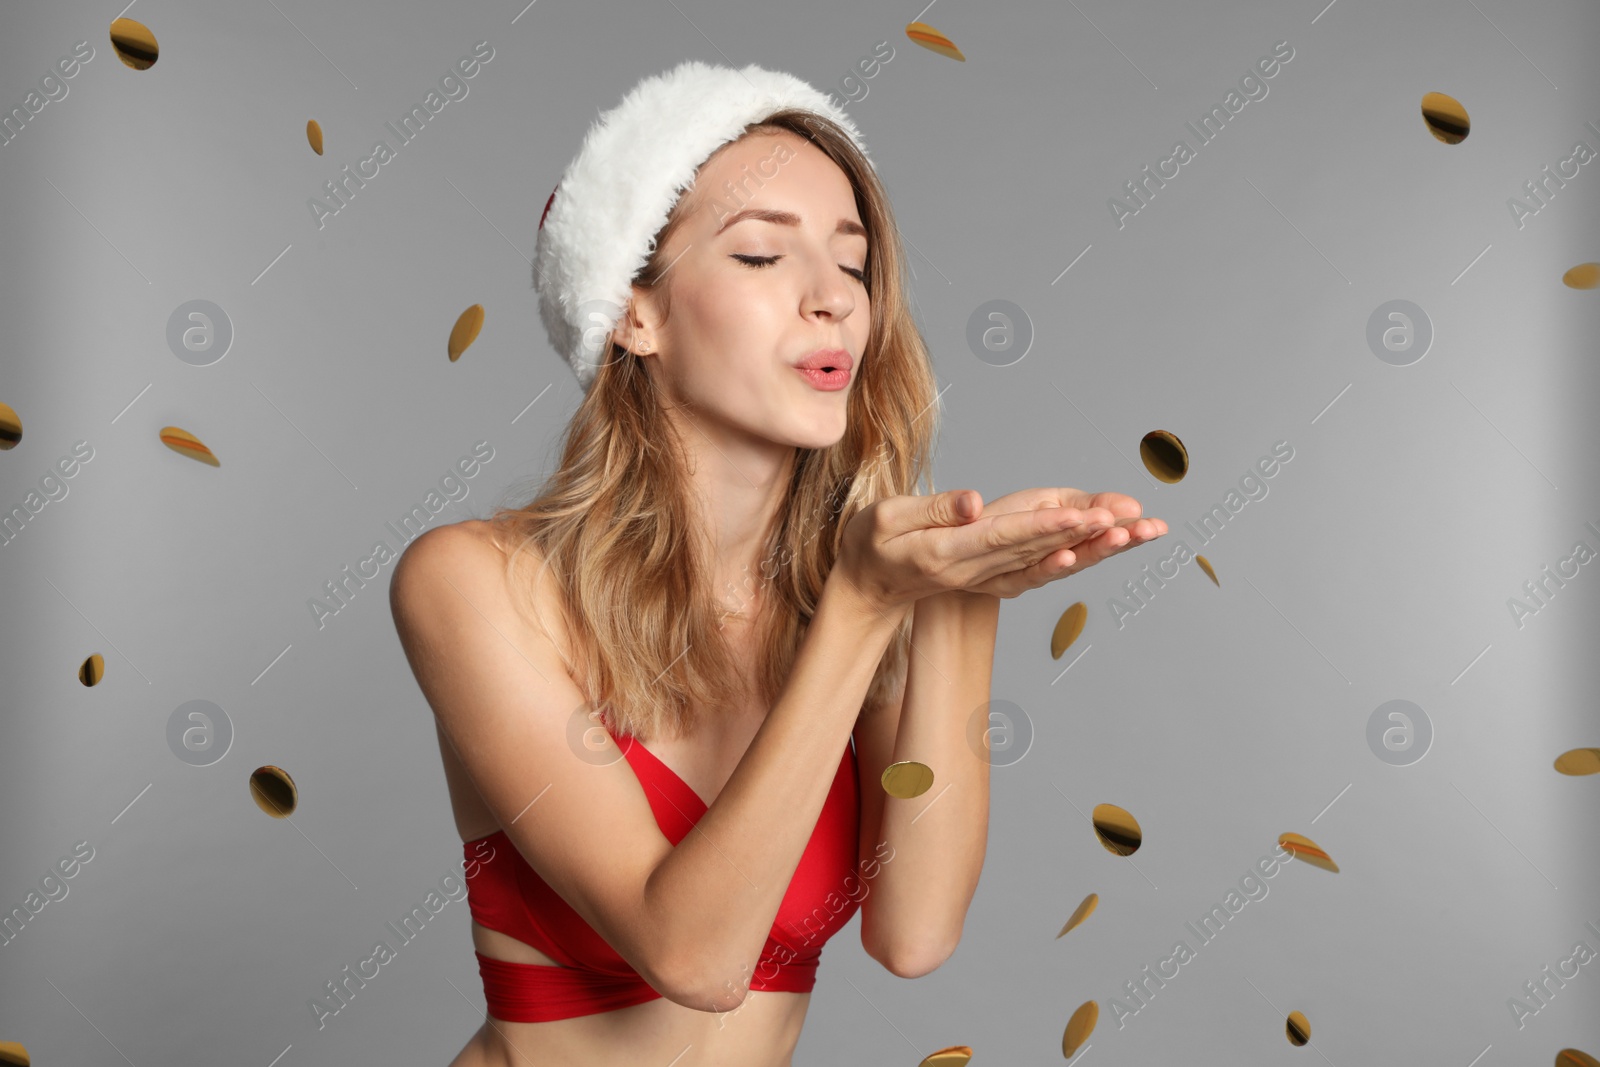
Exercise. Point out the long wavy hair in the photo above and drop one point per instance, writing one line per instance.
(615, 523)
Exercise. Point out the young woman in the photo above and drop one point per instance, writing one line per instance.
(726, 566)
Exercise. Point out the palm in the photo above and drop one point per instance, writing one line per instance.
(1105, 515)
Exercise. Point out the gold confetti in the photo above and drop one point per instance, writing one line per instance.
(1205, 565)
(1306, 849)
(10, 427)
(1068, 629)
(465, 331)
(12, 1053)
(187, 444)
(1164, 455)
(1579, 761)
(907, 779)
(934, 41)
(1079, 1027)
(274, 791)
(1117, 829)
(1583, 276)
(134, 44)
(1446, 118)
(954, 1056)
(1082, 912)
(1571, 1057)
(1298, 1029)
(314, 135)
(93, 669)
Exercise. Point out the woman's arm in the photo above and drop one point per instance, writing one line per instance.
(691, 920)
(915, 906)
(726, 880)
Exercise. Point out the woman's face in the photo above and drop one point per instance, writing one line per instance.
(752, 298)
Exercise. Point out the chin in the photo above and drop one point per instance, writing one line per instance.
(817, 441)
(828, 440)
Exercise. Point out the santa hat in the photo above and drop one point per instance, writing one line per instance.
(598, 225)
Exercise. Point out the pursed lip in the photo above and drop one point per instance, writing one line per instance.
(826, 357)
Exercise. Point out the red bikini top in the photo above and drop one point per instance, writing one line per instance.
(504, 893)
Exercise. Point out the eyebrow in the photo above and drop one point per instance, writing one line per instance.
(787, 218)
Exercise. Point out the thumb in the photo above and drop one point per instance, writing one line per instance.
(957, 507)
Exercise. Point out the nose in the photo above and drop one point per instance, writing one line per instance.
(831, 293)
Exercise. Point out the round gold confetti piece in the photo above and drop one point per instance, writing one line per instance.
(1579, 761)
(954, 1056)
(10, 427)
(1446, 118)
(1164, 455)
(314, 135)
(1079, 1027)
(1571, 1057)
(1583, 276)
(465, 331)
(1083, 911)
(1117, 829)
(134, 44)
(907, 779)
(93, 669)
(187, 444)
(1068, 629)
(1306, 849)
(273, 791)
(13, 1053)
(1298, 1029)
(1205, 565)
(934, 41)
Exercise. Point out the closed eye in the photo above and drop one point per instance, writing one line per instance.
(767, 261)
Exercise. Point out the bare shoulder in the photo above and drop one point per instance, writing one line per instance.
(505, 703)
(468, 543)
(453, 558)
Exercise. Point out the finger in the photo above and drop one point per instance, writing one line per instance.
(1119, 504)
(1093, 522)
(1056, 564)
(1009, 542)
(1104, 545)
(1078, 525)
(954, 507)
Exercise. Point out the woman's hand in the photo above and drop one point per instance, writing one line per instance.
(900, 549)
(1098, 538)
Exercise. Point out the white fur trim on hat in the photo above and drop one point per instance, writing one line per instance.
(615, 195)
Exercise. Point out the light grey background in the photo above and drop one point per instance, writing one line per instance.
(1231, 310)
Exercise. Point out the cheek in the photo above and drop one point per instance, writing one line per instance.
(738, 341)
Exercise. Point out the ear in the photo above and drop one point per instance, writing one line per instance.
(633, 330)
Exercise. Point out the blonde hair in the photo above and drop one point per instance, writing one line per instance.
(615, 522)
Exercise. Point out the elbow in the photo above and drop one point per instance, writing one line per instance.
(700, 987)
(914, 960)
(689, 970)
